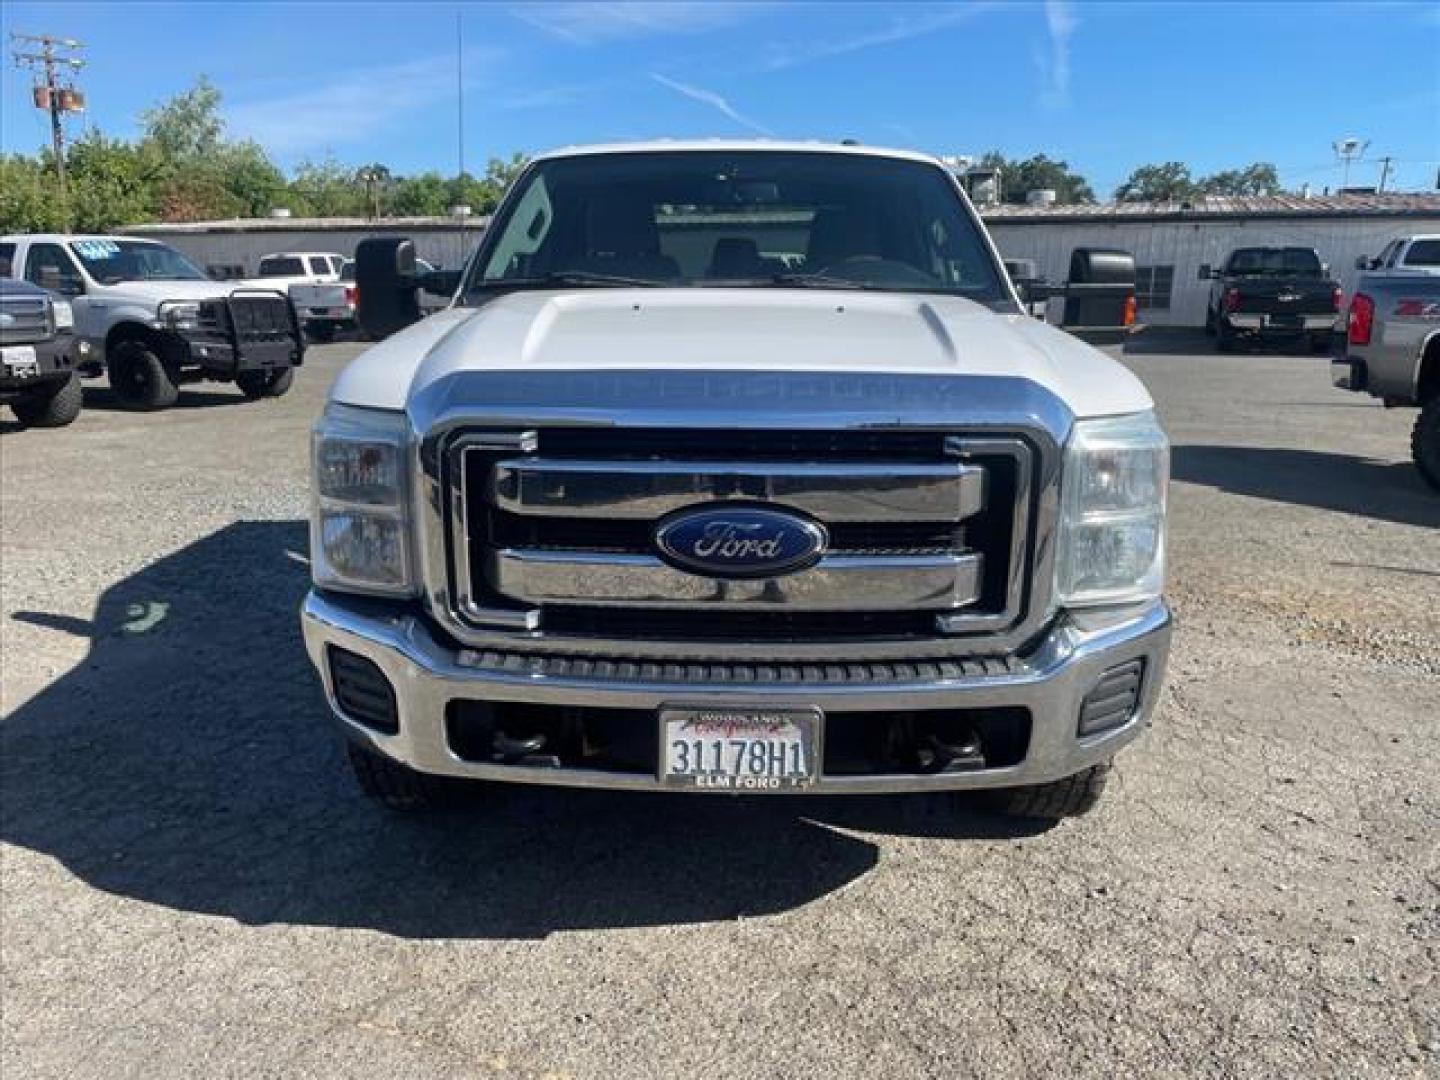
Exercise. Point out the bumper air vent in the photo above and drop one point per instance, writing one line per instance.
(362, 691)
(1114, 699)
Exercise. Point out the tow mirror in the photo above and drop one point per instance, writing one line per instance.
(1362, 262)
(386, 281)
(1206, 272)
(440, 282)
(1100, 304)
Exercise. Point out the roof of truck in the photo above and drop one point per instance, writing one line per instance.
(65, 238)
(813, 146)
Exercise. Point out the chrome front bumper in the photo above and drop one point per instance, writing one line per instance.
(1051, 682)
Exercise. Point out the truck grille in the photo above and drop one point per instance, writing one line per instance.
(28, 319)
(552, 532)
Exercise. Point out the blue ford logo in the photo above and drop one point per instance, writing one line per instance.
(740, 541)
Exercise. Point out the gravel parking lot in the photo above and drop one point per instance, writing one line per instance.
(191, 885)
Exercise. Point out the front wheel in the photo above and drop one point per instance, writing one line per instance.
(140, 378)
(400, 788)
(52, 405)
(262, 384)
(1070, 797)
(1425, 441)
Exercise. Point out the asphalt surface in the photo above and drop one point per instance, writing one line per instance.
(192, 886)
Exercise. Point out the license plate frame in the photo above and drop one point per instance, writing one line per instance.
(777, 731)
(19, 361)
(1285, 320)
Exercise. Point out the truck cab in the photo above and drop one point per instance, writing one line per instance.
(1272, 294)
(145, 315)
(735, 467)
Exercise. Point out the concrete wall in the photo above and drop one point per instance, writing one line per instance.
(1186, 245)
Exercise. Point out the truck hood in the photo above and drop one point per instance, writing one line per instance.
(718, 329)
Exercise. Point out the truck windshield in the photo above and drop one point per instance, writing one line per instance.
(1290, 262)
(748, 219)
(112, 261)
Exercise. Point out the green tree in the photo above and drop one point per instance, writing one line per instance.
(326, 189)
(1168, 182)
(27, 196)
(188, 126)
(422, 195)
(111, 183)
(1261, 178)
(1038, 173)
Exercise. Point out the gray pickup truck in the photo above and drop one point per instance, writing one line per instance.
(1392, 352)
(37, 374)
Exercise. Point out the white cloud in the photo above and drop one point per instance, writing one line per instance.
(711, 98)
(588, 23)
(778, 56)
(312, 117)
(1060, 24)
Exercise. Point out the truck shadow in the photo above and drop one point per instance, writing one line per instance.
(1389, 491)
(187, 762)
(99, 397)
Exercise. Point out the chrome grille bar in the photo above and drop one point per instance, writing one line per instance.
(832, 492)
(941, 582)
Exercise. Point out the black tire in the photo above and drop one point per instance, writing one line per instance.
(1070, 797)
(262, 384)
(320, 333)
(1320, 343)
(392, 785)
(1209, 323)
(140, 378)
(1425, 441)
(1225, 340)
(53, 405)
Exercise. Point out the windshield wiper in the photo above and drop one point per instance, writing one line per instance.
(823, 281)
(569, 277)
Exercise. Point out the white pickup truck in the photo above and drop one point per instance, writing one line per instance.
(735, 467)
(146, 315)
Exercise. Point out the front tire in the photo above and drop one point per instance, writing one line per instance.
(262, 384)
(394, 786)
(52, 405)
(1425, 441)
(140, 378)
(1070, 797)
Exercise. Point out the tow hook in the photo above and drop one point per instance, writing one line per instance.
(935, 756)
(523, 751)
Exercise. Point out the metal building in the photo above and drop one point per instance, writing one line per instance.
(231, 249)
(1171, 241)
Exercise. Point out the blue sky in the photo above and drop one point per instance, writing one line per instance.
(1105, 86)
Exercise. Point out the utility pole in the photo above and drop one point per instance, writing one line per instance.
(1384, 174)
(54, 56)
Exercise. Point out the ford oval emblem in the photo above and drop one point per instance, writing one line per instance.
(722, 541)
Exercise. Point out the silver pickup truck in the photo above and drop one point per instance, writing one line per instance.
(1392, 352)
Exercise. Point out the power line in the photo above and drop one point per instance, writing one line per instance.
(55, 55)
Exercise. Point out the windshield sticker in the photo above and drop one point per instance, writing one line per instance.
(97, 249)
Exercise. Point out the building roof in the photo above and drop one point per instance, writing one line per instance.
(1222, 207)
(308, 224)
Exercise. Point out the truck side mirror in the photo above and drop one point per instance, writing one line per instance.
(1362, 262)
(440, 282)
(1206, 272)
(386, 282)
(1100, 295)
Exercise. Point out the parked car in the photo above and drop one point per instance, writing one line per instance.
(1392, 352)
(285, 269)
(327, 310)
(37, 367)
(1405, 255)
(144, 314)
(687, 492)
(1272, 293)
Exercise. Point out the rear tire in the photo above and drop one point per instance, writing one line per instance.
(394, 786)
(1225, 339)
(262, 384)
(1320, 343)
(1070, 797)
(140, 378)
(320, 333)
(53, 405)
(1425, 441)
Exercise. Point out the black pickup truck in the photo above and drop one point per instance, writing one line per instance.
(1269, 293)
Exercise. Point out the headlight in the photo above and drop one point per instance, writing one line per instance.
(64, 314)
(1112, 516)
(180, 316)
(360, 530)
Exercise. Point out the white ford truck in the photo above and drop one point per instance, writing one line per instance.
(146, 315)
(735, 467)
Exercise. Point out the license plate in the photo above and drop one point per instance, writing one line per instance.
(1287, 321)
(739, 749)
(20, 360)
